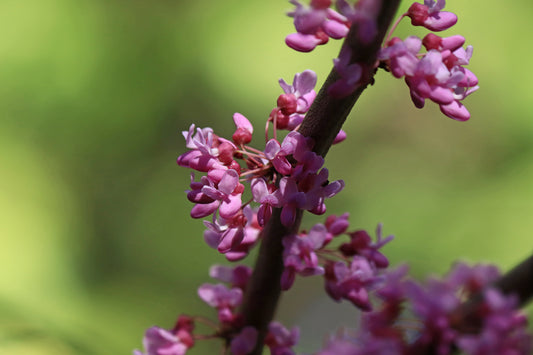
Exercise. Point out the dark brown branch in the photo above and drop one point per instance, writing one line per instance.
(327, 115)
(322, 123)
(518, 281)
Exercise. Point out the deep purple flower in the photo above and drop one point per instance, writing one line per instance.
(299, 255)
(244, 342)
(264, 194)
(361, 244)
(402, 55)
(237, 276)
(351, 282)
(280, 340)
(504, 330)
(350, 74)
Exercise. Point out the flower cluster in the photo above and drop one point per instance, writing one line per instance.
(350, 271)
(438, 326)
(438, 74)
(317, 23)
(286, 174)
(175, 341)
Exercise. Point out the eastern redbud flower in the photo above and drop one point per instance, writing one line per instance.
(244, 342)
(430, 16)
(315, 24)
(302, 90)
(439, 74)
(280, 340)
(299, 255)
(363, 13)
(223, 299)
(237, 276)
(350, 75)
(503, 329)
(243, 133)
(177, 341)
(361, 244)
(351, 282)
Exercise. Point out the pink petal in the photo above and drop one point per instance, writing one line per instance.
(440, 21)
(230, 206)
(453, 42)
(305, 82)
(441, 95)
(242, 122)
(335, 30)
(456, 111)
(301, 42)
(204, 210)
(229, 181)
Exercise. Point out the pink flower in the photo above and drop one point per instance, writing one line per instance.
(302, 89)
(243, 134)
(299, 255)
(401, 55)
(158, 341)
(264, 194)
(228, 192)
(351, 282)
(280, 340)
(430, 16)
(237, 276)
(361, 244)
(223, 299)
(350, 75)
(315, 25)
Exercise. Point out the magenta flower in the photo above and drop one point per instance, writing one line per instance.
(223, 299)
(223, 237)
(302, 89)
(315, 25)
(159, 341)
(228, 192)
(504, 330)
(299, 255)
(277, 154)
(430, 15)
(350, 74)
(244, 342)
(362, 14)
(402, 55)
(280, 340)
(291, 199)
(361, 244)
(351, 282)
(264, 195)
(243, 134)
(237, 276)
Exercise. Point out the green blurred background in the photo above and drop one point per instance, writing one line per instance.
(96, 242)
